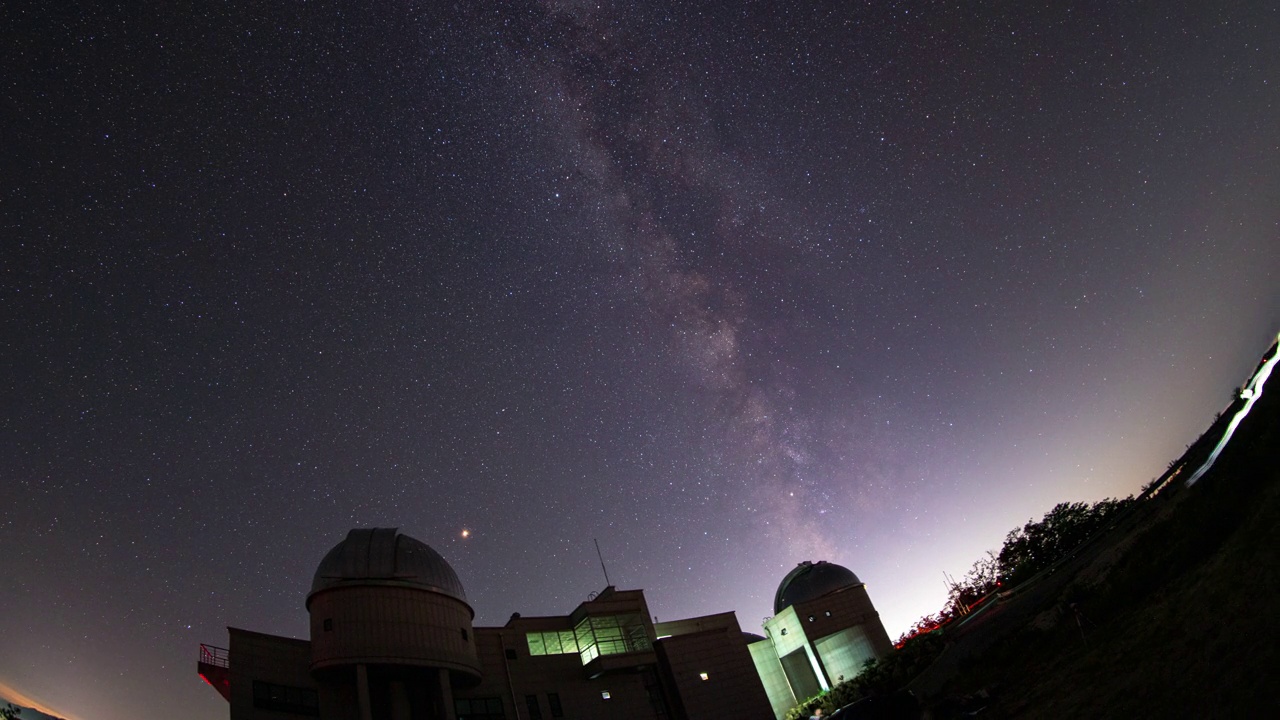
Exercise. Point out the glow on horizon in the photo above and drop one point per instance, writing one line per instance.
(13, 695)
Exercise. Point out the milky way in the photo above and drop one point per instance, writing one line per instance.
(723, 288)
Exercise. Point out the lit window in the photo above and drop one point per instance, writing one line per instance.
(554, 642)
(604, 695)
(812, 618)
(827, 613)
(704, 676)
(610, 635)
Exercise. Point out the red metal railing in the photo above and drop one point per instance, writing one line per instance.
(216, 656)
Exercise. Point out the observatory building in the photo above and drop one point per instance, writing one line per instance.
(823, 630)
(392, 639)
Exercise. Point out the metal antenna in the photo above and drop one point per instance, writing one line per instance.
(602, 567)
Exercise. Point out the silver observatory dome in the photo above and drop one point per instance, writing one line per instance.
(382, 556)
(385, 600)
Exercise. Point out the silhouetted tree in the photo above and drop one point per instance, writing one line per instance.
(981, 580)
(1037, 545)
(1027, 550)
(10, 713)
(962, 595)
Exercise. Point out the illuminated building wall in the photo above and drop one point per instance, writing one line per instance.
(824, 630)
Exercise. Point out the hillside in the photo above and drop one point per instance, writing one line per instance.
(1169, 613)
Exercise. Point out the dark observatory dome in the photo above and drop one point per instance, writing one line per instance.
(811, 580)
(381, 556)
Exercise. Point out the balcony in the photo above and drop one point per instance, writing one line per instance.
(626, 662)
(214, 667)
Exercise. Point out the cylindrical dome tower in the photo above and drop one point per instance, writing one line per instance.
(382, 599)
(834, 628)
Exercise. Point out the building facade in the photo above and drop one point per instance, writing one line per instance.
(824, 629)
(392, 639)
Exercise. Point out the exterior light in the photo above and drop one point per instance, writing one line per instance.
(604, 695)
(704, 676)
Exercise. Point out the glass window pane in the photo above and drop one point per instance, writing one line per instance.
(552, 642)
(570, 643)
(535, 644)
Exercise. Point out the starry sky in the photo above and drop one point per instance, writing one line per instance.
(725, 287)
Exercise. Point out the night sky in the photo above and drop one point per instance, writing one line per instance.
(724, 288)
